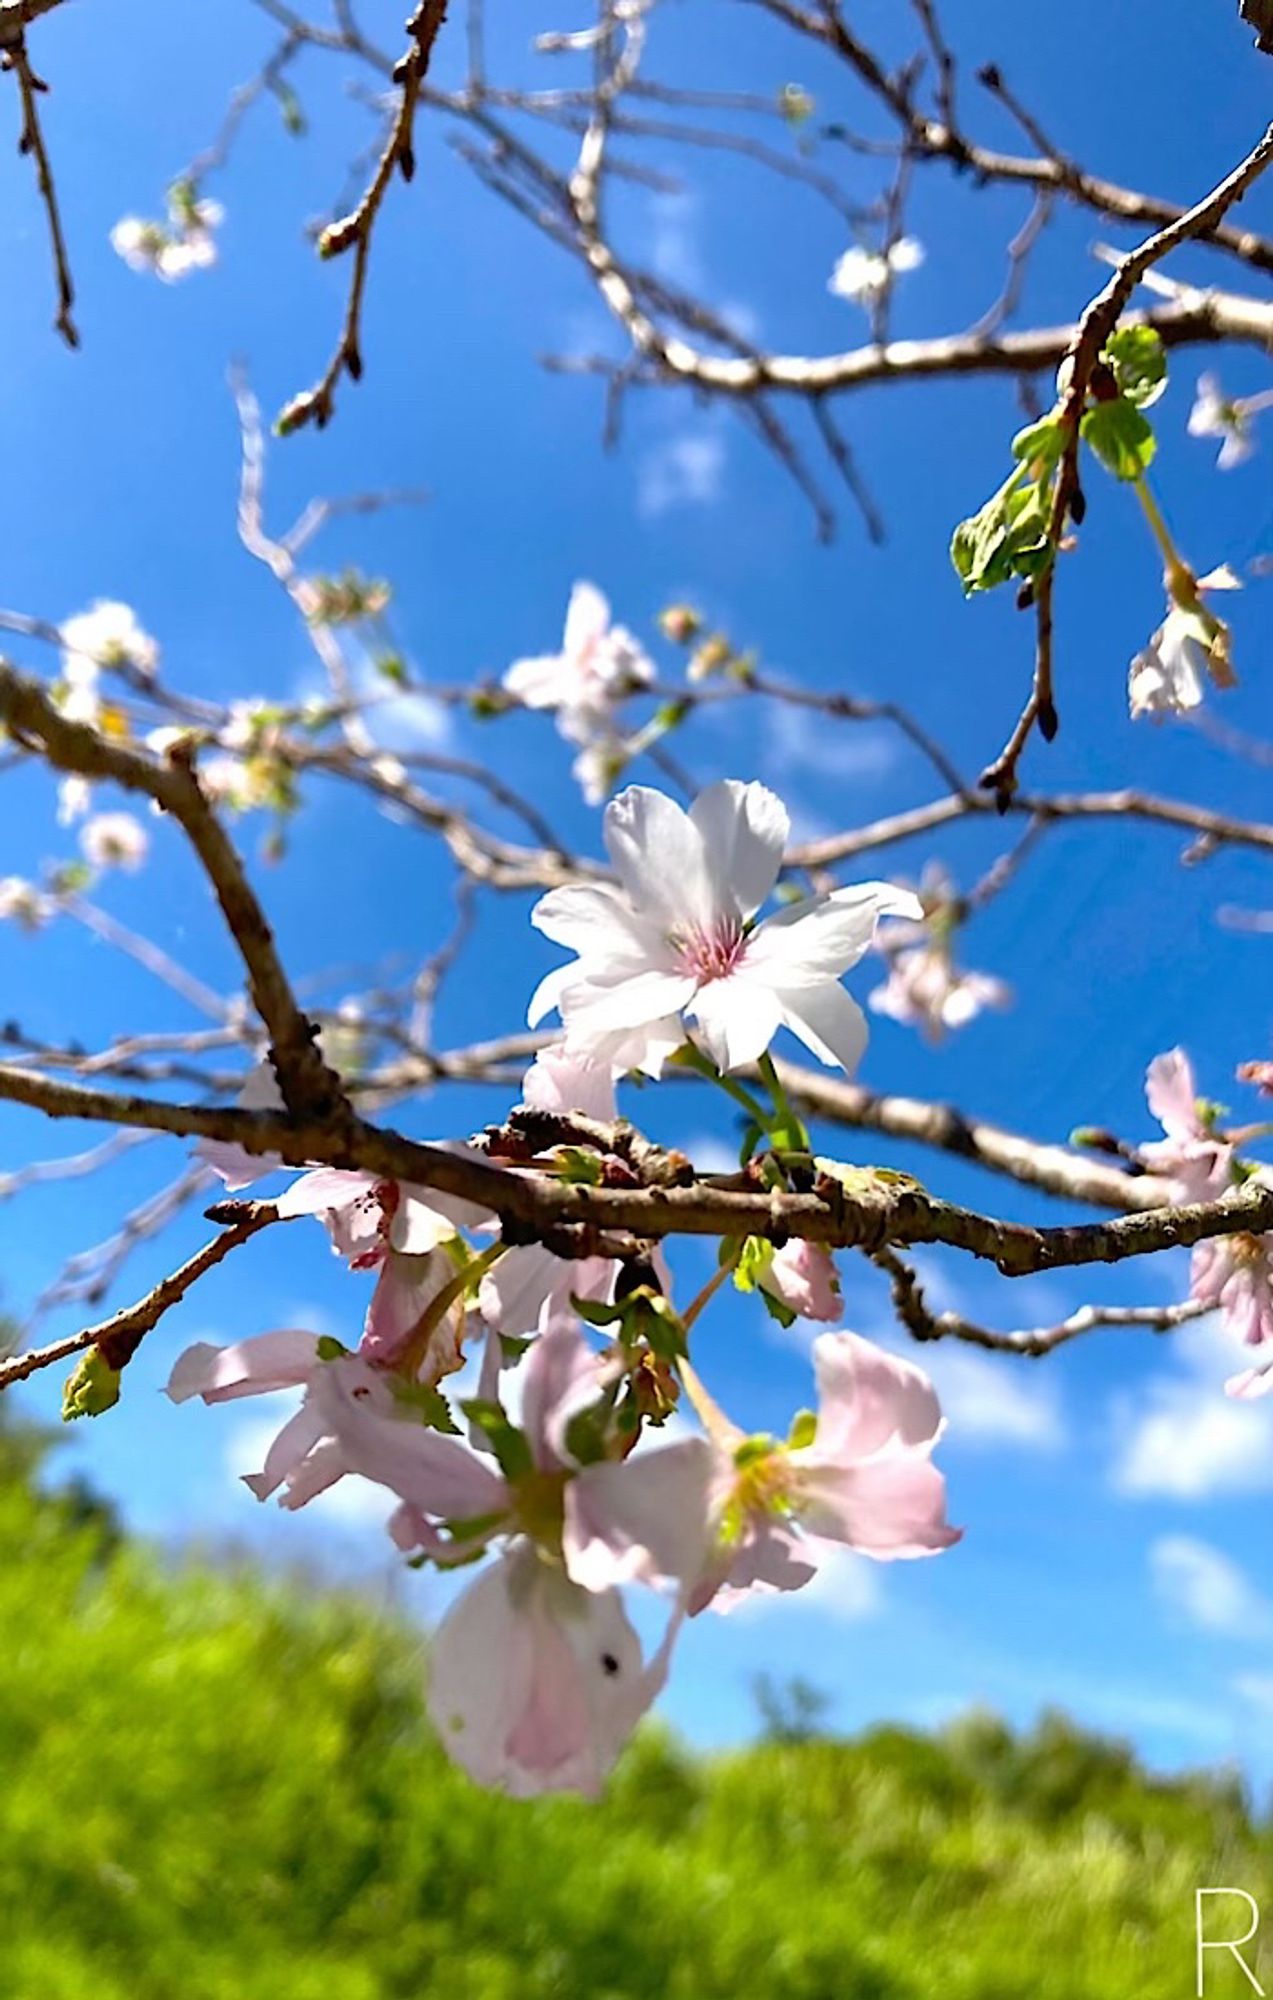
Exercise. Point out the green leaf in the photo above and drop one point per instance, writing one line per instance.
(429, 1404)
(1120, 437)
(329, 1348)
(578, 1167)
(510, 1446)
(1139, 362)
(91, 1387)
(1008, 538)
(1040, 443)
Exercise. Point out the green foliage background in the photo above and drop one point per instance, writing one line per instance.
(221, 1787)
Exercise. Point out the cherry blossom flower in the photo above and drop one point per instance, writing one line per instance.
(106, 635)
(399, 1231)
(302, 1459)
(597, 665)
(1235, 1274)
(22, 903)
(1228, 418)
(927, 990)
(677, 934)
(865, 1478)
(1169, 677)
(535, 1684)
(802, 1277)
(186, 243)
(861, 274)
(530, 1289)
(115, 839)
(1190, 1155)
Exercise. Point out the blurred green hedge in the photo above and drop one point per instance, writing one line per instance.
(220, 1787)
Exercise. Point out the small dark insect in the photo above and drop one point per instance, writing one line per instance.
(609, 1664)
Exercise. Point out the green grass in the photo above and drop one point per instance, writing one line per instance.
(221, 1787)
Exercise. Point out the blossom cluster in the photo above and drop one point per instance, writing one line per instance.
(186, 242)
(551, 1468)
(599, 665)
(1232, 1273)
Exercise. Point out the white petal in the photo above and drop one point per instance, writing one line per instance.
(592, 1011)
(659, 857)
(744, 830)
(825, 935)
(559, 1080)
(827, 1021)
(541, 682)
(738, 1018)
(252, 1367)
(592, 919)
(587, 616)
(642, 1521)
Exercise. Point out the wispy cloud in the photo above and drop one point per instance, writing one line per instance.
(1181, 1437)
(801, 739)
(1207, 1589)
(683, 471)
(992, 1401)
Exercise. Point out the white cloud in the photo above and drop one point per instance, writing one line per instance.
(1180, 1436)
(801, 739)
(674, 252)
(1207, 1589)
(993, 1400)
(1256, 1689)
(353, 1503)
(710, 1153)
(683, 471)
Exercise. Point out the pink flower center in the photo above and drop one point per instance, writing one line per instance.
(711, 953)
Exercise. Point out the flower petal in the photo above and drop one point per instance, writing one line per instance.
(827, 1020)
(869, 1399)
(254, 1367)
(744, 829)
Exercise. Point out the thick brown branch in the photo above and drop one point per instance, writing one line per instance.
(572, 1216)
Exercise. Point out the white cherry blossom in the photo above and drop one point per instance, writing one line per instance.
(115, 840)
(861, 274)
(677, 934)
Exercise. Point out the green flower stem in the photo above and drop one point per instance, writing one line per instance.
(1180, 578)
(691, 1058)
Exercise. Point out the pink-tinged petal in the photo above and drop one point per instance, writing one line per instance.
(770, 1557)
(324, 1188)
(315, 1472)
(827, 1020)
(824, 936)
(426, 1217)
(643, 1520)
(744, 830)
(437, 1474)
(405, 1289)
(536, 1685)
(559, 1080)
(659, 857)
(254, 1367)
(803, 1277)
(287, 1452)
(587, 618)
(1172, 1095)
(561, 1367)
(529, 1289)
(541, 682)
(869, 1400)
(887, 1507)
(233, 1165)
(737, 1019)
(1251, 1383)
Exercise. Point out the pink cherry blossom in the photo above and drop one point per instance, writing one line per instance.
(866, 1480)
(802, 1276)
(597, 665)
(535, 1684)
(677, 934)
(1190, 1154)
(927, 990)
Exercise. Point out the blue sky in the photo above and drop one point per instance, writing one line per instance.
(1116, 1558)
